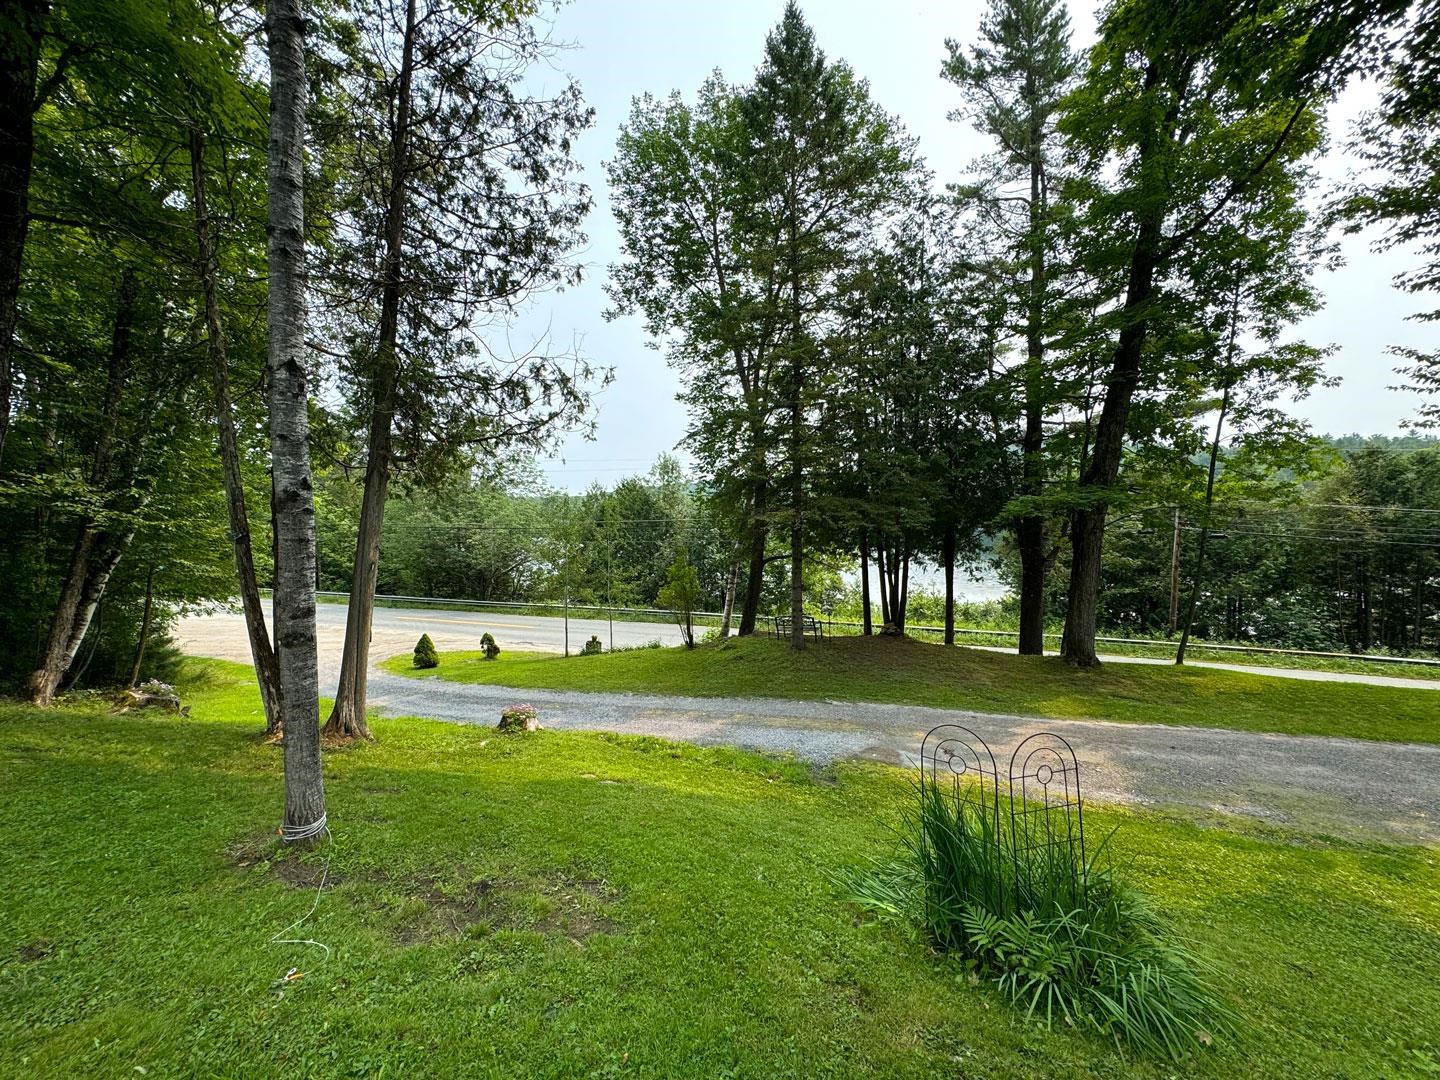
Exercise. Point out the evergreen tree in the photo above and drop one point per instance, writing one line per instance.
(457, 201)
(825, 164)
(1013, 82)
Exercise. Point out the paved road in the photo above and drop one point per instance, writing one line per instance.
(1339, 787)
(397, 629)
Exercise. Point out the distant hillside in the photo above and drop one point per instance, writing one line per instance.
(1382, 442)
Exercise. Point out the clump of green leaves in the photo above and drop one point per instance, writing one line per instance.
(488, 646)
(1060, 938)
(425, 654)
(681, 593)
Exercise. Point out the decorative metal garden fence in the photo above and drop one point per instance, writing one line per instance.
(1038, 820)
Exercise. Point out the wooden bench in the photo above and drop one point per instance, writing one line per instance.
(812, 627)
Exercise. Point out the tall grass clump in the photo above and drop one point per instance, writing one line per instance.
(1060, 936)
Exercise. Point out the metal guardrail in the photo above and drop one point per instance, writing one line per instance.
(556, 605)
(667, 614)
(1159, 644)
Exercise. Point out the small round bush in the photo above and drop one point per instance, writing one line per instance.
(425, 654)
(487, 643)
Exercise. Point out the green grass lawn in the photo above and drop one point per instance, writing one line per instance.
(569, 904)
(903, 671)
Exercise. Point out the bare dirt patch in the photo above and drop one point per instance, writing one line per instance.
(35, 951)
(575, 908)
(263, 849)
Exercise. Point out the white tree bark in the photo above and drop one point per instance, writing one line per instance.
(289, 425)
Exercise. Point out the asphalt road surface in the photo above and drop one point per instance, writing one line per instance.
(1331, 787)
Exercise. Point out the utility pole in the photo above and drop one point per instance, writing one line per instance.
(1175, 576)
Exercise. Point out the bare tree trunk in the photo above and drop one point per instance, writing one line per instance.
(1087, 524)
(903, 592)
(347, 719)
(47, 675)
(84, 575)
(1030, 530)
(948, 557)
(755, 578)
(262, 652)
(19, 71)
(731, 579)
(865, 583)
(111, 549)
(797, 527)
(1205, 524)
(293, 489)
(1174, 619)
(883, 580)
(144, 627)
(1030, 539)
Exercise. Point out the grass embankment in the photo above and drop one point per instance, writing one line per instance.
(1198, 652)
(908, 672)
(580, 905)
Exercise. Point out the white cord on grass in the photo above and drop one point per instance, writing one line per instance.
(292, 833)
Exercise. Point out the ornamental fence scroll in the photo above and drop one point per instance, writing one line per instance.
(1039, 815)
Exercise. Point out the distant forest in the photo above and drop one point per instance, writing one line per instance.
(1344, 556)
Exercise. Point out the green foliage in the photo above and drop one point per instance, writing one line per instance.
(488, 646)
(1062, 940)
(425, 654)
(1299, 556)
(1400, 141)
(680, 594)
(505, 536)
(474, 205)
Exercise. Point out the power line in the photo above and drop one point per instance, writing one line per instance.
(1330, 538)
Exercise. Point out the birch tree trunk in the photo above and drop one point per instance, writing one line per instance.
(731, 579)
(293, 494)
(267, 671)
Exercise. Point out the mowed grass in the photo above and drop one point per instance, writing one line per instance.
(568, 904)
(909, 672)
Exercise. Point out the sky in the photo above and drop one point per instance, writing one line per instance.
(624, 48)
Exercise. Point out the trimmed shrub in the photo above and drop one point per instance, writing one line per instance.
(425, 654)
(487, 644)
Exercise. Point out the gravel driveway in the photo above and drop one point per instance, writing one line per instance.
(1349, 788)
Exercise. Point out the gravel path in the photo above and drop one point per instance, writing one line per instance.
(1348, 788)
(1337, 787)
